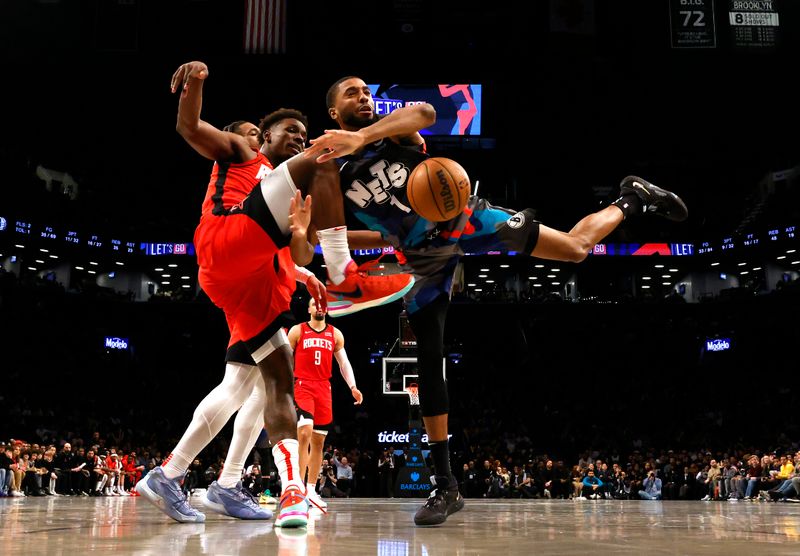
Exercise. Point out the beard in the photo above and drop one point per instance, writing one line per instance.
(318, 317)
(357, 121)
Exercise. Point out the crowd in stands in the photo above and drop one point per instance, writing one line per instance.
(671, 476)
(94, 468)
(550, 379)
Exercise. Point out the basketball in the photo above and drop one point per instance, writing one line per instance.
(438, 189)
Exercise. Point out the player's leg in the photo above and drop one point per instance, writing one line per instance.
(351, 289)
(493, 227)
(323, 420)
(275, 359)
(227, 494)
(315, 457)
(317, 443)
(305, 408)
(428, 325)
(256, 298)
(304, 431)
(162, 485)
(321, 181)
(575, 245)
(637, 196)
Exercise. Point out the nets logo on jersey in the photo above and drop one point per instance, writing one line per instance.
(517, 221)
(387, 177)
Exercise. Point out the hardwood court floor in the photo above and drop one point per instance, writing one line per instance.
(115, 526)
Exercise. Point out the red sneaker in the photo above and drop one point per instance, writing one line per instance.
(360, 290)
(292, 509)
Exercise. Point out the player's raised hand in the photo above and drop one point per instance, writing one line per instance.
(299, 214)
(189, 70)
(334, 143)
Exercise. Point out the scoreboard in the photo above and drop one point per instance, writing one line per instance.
(49, 234)
(749, 240)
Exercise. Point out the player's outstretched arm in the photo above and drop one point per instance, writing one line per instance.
(402, 125)
(206, 139)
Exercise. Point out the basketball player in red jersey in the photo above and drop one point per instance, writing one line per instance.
(253, 226)
(315, 344)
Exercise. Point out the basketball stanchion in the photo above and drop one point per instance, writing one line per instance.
(414, 479)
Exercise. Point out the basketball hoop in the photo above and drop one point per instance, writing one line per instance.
(413, 394)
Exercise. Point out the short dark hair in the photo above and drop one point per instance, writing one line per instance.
(233, 127)
(280, 114)
(330, 97)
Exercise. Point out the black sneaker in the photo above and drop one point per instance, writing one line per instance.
(654, 199)
(443, 501)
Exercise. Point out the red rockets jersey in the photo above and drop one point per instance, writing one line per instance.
(221, 232)
(231, 182)
(313, 355)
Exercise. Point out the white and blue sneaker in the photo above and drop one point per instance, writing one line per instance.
(234, 502)
(166, 495)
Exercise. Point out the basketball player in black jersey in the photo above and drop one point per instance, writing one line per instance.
(376, 156)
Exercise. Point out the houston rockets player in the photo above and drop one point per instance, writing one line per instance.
(253, 225)
(366, 146)
(315, 344)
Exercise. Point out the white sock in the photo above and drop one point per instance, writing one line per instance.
(210, 416)
(246, 427)
(335, 251)
(287, 461)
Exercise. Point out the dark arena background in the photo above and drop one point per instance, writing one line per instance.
(671, 345)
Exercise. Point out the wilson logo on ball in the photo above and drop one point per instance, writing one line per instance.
(445, 192)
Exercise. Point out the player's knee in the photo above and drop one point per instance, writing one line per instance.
(576, 252)
(304, 434)
(580, 255)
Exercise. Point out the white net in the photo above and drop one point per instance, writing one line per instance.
(413, 394)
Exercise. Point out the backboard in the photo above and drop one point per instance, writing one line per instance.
(399, 372)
